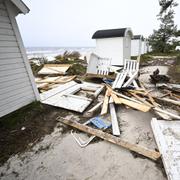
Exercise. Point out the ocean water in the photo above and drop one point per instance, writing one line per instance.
(51, 52)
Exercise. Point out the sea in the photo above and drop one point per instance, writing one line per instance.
(50, 52)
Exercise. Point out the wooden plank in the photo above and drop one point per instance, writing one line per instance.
(115, 126)
(130, 80)
(132, 104)
(13, 71)
(3, 13)
(91, 111)
(110, 138)
(104, 109)
(167, 138)
(168, 113)
(169, 101)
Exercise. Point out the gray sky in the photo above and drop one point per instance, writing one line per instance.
(73, 22)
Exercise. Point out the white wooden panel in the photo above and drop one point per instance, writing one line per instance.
(14, 71)
(3, 12)
(167, 135)
(18, 101)
(5, 25)
(6, 32)
(16, 105)
(15, 89)
(10, 55)
(10, 61)
(7, 38)
(9, 49)
(14, 82)
(12, 77)
(4, 19)
(15, 97)
(12, 66)
(8, 44)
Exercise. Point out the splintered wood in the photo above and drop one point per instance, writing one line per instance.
(151, 154)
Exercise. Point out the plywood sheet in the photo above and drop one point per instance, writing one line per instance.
(54, 69)
(167, 135)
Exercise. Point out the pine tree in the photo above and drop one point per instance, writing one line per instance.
(162, 39)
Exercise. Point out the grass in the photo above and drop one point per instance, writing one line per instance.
(17, 117)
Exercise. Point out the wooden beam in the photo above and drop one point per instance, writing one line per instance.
(115, 126)
(132, 104)
(151, 154)
(104, 109)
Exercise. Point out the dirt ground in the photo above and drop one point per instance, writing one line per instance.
(38, 147)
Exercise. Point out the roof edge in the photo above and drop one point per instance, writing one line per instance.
(21, 6)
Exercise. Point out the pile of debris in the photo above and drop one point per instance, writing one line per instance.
(125, 90)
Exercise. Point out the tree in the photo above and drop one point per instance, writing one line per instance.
(162, 40)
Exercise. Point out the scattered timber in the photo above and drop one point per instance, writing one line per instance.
(151, 154)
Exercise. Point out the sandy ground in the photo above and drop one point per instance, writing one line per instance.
(58, 156)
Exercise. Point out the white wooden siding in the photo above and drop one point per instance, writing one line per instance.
(15, 86)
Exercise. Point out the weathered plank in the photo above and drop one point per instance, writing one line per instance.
(104, 109)
(113, 139)
(132, 104)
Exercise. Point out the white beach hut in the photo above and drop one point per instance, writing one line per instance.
(136, 45)
(145, 46)
(17, 86)
(114, 44)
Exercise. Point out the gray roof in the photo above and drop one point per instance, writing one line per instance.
(110, 33)
(138, 37)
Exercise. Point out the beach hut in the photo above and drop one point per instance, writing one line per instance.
(114, 44)
(17, 86)
(145, 46)
(136, 45)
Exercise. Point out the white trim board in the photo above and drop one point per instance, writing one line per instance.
(167, 135)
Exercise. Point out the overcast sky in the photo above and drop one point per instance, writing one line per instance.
(72, 23)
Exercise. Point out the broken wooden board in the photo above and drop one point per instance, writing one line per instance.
(115, 126)
(56, 80)
(113, 139)
(49, 69)
(104, 109)
(167, 136)
(63, 96)
(120, 100)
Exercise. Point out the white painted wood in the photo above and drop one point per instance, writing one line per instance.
(115, 126)
(13, 71)
(5, 25)
(4, 19)
(12, 15)
(13, 82)
(3, 13)
(15, 89)
(2, 6)
(130, 80)
(13, 77)
(167, 135)
(10, 55)
(10, 61)
(63, 96)
(8, 44)
(9, 49)
(13, 66)
(168, 113)
(6, 32)
(14, 106)
(7, 38)
(15, 97)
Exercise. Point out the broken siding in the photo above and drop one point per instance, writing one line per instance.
(16, 89)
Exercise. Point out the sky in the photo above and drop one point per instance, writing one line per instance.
(71, 23)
